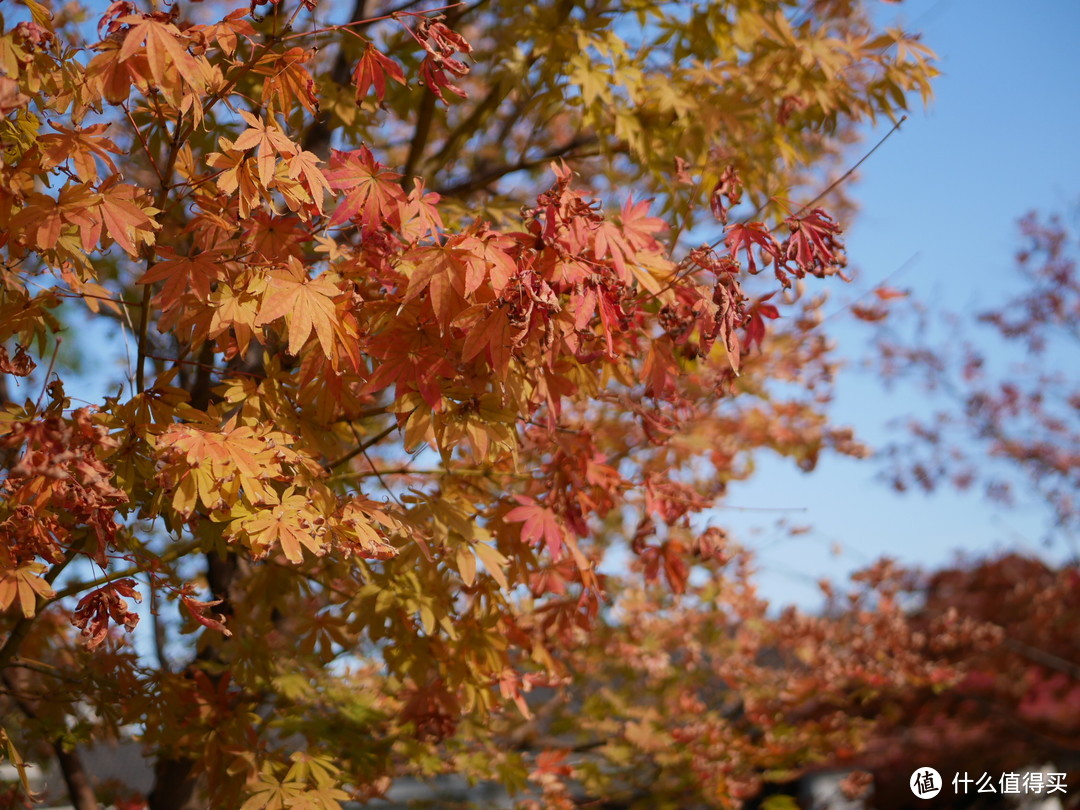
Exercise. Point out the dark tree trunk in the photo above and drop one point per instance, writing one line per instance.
(174, 786)
(79, 789)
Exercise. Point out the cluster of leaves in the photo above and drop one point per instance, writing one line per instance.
(395, 432)
(1014, 708)
(728, 702)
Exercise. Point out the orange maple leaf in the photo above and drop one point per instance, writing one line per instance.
(128, 223)
(166, 55)
(305, 167)
(80, 146)
(308, 303)
(270, 142)
(180, 274)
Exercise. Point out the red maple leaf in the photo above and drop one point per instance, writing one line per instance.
(538, 524)
(755, 324)
(745, 236)
(198, 610)
(372, 70)
(374, 194)
(94, 610)
(813, 243)
(442, 44)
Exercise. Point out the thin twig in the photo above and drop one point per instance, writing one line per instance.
(149, 252)
(450, 471)
(852, 170)
(207, 366)
(174, 552)
(831, 185)
(145, 146)
(763, 508)
(52, 365)
(390, 16)
(358, 450)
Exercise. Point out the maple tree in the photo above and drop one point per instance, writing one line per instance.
(401, 389)
(1013, 710)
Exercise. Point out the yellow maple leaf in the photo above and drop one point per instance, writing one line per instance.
(26, 584)
(289, 523)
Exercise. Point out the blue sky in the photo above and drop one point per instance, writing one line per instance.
(998, 139)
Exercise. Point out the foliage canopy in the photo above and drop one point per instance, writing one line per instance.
(428, 393)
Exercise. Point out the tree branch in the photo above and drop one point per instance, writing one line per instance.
(462, 131)
(488, 176)
(80, 791)
(361, 448)
(424, 118)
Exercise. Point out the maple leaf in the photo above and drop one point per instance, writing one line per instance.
(198, 609)
(441, 272)
(639, 229)
(814, 242)
(487, 257)
(755, 324)
(487, 331)
(236, 175)
(746, 238)
(26, 584)
(869, 313)
(611, 243)
(21, 365)
(235, 307)
(372, 71)
(11, 98)
(728, 186)
(374, 195)
(441, 43)
(166, 55)
(889, 293)
(287, 80)
(44, 219)
(421, 214)
(667, 557)
(228, 31)
(435, 74)
(212, 466)
(289, 524)
(196, 273)
(354, 532)
(306, 303)
(538, 524)
(305, 167)
(81, 146)
(94, 610)
(551, 763)
(129, 223)
(268, 141)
